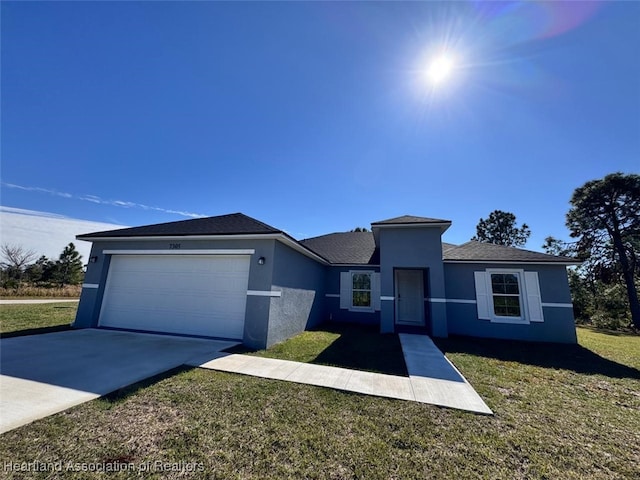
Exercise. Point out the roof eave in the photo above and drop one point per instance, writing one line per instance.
(519, 262)
(282, 237)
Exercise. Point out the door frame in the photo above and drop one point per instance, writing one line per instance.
(425, 295)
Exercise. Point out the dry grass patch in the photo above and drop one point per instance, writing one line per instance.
(30, 291)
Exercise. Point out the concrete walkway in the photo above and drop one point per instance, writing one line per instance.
(432, 378)
(35, 302)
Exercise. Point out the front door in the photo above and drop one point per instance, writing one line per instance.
(409, 297)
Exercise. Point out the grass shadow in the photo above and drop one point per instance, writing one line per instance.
(612, 333)
(362, 347)
(35, 331)
(123, 393)
(547, 355)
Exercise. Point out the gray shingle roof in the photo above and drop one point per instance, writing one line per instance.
(408, 219)
(357, 248)
(485, 252)
(446, 246)
(232, 224)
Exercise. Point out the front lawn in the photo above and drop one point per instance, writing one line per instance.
(36, 318)
(344, 345)
(560, 413)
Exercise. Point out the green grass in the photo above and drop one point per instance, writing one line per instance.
(36, 318)
(343, 345)
(624, 346)
(561, 412)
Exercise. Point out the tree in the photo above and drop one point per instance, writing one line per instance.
(69, 266)
(555, 246)
(500, 229)
(604, 213)
(15, 259)
(359, 229)
(42, 270)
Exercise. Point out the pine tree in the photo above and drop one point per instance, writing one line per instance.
(69, 266)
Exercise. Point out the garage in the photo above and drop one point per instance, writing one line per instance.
(192, 294)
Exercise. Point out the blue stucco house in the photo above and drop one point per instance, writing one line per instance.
(234, 277)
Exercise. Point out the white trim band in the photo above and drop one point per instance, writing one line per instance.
(449, 300)
(332, 295)
(558, 305)
(264, 293)
(248, 251)
(90, 285)
(387, 298)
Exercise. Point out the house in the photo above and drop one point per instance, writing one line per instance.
(232, 276)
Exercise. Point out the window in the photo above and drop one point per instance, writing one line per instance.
(505, 288)
(361, 290)
(508, 296)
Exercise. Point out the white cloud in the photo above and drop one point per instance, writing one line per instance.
(102, 201)
(46, 233)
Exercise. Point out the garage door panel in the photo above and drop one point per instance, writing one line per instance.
(200, 295)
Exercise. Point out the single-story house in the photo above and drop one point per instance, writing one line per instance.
(234, 277)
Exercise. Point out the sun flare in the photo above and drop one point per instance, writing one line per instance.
(440, 69)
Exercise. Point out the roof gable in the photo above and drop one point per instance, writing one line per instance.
(410, 219)
(232, 224)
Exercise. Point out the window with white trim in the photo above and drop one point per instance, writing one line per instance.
(505, 293)
(508, 296)
(360, 290)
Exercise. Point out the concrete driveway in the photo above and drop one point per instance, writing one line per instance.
(45, 374)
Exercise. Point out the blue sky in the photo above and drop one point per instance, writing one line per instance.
(316, 117)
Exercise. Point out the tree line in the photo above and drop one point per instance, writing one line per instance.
(19, 267)
(604, 223)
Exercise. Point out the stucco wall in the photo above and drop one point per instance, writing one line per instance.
(558, 325)
(301, 304)
(412, 248)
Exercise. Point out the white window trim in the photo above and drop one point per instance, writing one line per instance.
(346, 291)
(522, 296)
(352, 307)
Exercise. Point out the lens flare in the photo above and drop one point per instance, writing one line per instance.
(440, 69)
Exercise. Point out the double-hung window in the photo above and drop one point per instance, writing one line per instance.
(360, 290)
(505, 290)
(508, 296)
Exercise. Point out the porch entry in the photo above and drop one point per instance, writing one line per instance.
(410, 296)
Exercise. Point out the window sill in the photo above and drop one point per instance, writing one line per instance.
(517, 321)
(361, 309)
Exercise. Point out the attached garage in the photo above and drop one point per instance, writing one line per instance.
(191, 294)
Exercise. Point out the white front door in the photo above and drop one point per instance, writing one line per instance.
(409, 297)
(188, 294)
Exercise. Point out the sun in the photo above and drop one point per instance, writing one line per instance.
(440, 69)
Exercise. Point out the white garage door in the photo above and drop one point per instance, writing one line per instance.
(187, 294)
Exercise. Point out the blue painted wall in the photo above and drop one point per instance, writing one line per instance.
(415, 247)
(558, 325)
(301, 306)
(333, 311)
